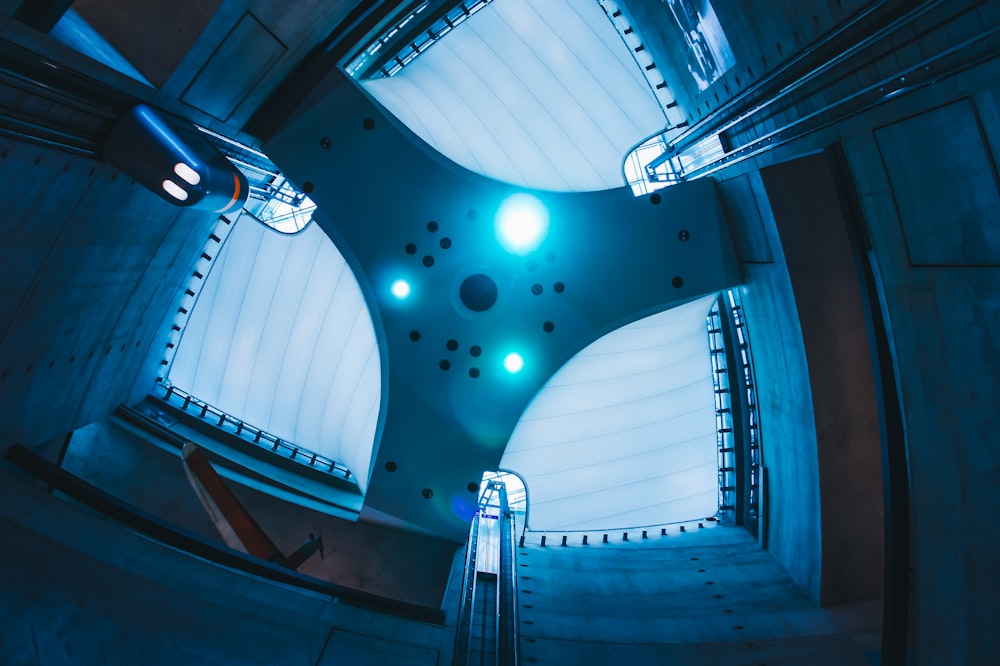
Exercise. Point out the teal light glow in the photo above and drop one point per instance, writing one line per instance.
(513, 363)
(522, 222)
(400, 289)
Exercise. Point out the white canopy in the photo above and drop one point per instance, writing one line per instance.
(281, 337)
(539, 93)
(624, 434)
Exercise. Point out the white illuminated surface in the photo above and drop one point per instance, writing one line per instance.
(539, 93)
(624, 435)
(281, 337)
(187, 174)
(513, 363)
(400, 289)
(522, 223)
(174, 190)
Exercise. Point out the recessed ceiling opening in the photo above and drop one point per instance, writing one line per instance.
(281, 338)
(624, 434)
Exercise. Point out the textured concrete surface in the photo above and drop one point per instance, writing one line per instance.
(791, 514)
(90, 264)
(79, 589)
(709, 596)
(942, 319)
(824, 280)
(375, 559)
(945, 318)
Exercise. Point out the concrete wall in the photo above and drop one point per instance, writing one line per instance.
(391, 563)
(762, 36)
(791, 519)
(824, 280)
(709, 596)
(78, 589)
(89, 263)
(925, 167)
(927, 178)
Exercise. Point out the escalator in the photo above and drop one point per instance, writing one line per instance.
(487, 625)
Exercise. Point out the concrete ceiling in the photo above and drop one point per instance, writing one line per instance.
(378, 187)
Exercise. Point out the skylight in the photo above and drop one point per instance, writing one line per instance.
(624, 434)
(539, 93)
(281, 337)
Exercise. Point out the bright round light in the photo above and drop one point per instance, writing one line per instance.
(513, 363)
(522, 223)
(400, 289)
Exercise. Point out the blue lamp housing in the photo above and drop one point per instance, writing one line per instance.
(175, 162)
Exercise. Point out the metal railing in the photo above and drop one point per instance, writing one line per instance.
(493, 505)
(404, 44)
(748, 385)
(736, 413)
(273, 200)
(725, 441)
(250, 433)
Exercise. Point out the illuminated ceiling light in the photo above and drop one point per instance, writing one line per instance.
(400, 289)
(174, 190)
(513, 363)
(522, 223)
(187, 174)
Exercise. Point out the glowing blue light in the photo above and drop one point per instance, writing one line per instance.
(513, 363)
(400, 289)
(522, 223)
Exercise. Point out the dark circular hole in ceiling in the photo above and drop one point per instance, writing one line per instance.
(536, 289)
(411, 248)
(452, 345)
(308, 187)
(415, 335)
(473, 487)
(478, 292)
(684, 235)
(559, 287)
(368, 123)
(655, 198)
(432, 226)
(475, 350)
(548, 327)
(427, 493)
(474, 372)
(445, 364)
(677, 282)
(390, 466)
(428, 261)
(445, 243)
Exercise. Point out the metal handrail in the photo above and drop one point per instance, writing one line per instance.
(507, 632)
(723, 415)
(465, 606)
(256, 435)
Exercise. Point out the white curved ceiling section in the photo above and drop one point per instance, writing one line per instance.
(624, 434)
(281, 337)
(539, 93)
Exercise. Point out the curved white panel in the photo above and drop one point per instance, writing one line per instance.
(281, 337)
(624, 434)
(539, 93)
